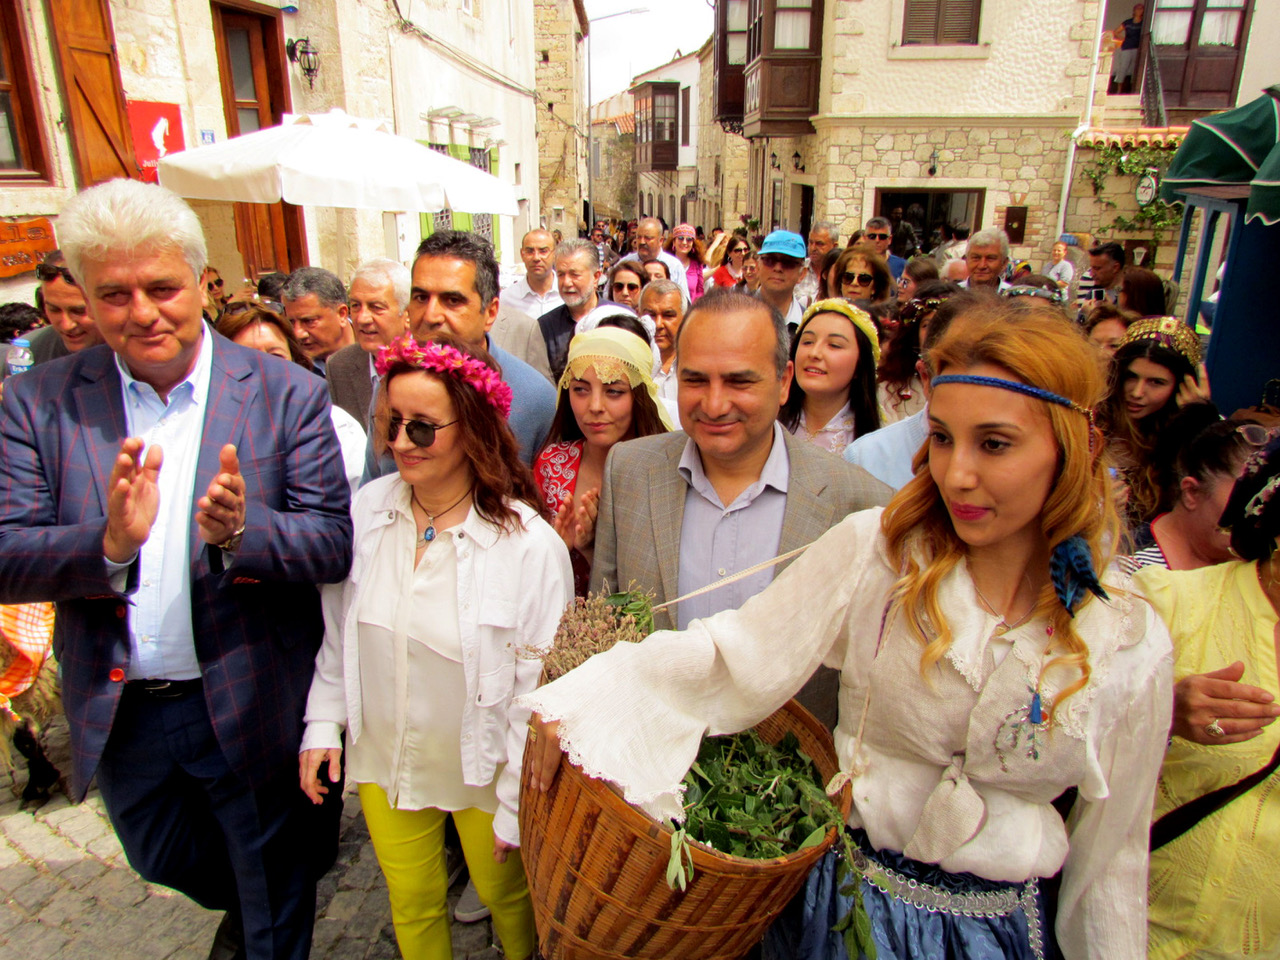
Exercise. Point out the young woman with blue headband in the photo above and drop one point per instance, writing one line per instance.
(985, 672)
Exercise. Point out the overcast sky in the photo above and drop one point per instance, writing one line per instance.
(623, 46)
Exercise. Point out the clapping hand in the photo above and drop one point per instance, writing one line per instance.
(133, 500)
(220, 512)
(577, 527)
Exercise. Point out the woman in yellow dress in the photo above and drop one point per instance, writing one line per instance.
(1214, 891)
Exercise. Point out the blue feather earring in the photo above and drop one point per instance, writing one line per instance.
(1071, 570)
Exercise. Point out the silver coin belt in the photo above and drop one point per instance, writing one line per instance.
(997, 903)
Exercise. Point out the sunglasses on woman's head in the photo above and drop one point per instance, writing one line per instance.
(47, 271)
(915, 309)
(240, 306)
(419, 432)
(1255, 434)
(862, 279)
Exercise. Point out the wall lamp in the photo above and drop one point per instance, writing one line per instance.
(795, 162)
(306, 56)
(773, 161)
(933, 163)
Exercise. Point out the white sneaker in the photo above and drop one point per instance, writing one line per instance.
(469, 908)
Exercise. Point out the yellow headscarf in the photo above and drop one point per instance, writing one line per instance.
(616, 355)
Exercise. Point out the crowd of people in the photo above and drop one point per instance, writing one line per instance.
(985, 524)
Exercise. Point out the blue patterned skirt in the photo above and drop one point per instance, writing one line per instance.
(916, 910)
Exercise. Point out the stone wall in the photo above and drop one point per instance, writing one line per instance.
(560, 77)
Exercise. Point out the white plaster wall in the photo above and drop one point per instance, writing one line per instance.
(1032, 59)
(1261, 65)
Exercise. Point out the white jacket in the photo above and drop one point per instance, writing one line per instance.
(512, 589)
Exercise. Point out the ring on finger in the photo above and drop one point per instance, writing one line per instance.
(1214, 729)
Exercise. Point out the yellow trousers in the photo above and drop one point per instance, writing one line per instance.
(410, 849)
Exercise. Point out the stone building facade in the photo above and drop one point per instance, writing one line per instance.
(722, 157)
(456, 74)
(561, 70)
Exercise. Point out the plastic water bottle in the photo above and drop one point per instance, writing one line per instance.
(19, 359)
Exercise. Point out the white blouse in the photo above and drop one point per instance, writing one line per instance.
(836, 434)
(947, 771)
(412, 684)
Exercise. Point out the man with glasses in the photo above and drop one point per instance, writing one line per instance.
(781, 264)
(535, 293)
(61, 302)
(650, 238)
(880, 232)
(823, 238)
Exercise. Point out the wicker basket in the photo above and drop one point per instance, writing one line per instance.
(597, 869)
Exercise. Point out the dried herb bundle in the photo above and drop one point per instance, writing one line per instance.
(592, 625)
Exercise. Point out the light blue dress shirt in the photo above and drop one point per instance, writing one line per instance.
(887, 453)
(161, 640)
(718, 540)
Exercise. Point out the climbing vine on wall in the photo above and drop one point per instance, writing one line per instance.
(1155, 218)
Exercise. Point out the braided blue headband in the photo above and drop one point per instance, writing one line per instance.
(1024, 388)
(1071, 563)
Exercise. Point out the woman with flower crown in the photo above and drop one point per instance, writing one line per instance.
(455, 571)
(985, 672)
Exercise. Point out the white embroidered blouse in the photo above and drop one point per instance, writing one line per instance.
(949, 771)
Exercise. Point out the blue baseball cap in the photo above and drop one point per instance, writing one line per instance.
(786, 243)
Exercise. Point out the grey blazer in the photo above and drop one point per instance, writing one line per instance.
(350, 388)
(519, 334)
(642, 511)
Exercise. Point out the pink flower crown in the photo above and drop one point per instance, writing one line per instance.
(442, 358)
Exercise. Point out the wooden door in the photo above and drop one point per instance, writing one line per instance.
(94, 95)
(254, 96)
(1200, 47)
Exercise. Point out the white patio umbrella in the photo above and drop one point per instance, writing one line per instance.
(334, 160)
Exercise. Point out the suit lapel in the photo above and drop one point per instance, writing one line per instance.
(807, 514)
(100, 409)
(232, 388)
(667, 491)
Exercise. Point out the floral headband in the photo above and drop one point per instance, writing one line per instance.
(442, 358)
(1169, 332)
(858, 317)
(1250, 513)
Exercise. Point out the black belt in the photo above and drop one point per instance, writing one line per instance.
(165, 689)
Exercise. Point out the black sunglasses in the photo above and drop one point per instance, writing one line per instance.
(628, 287)
(47, 271)
(419, 432)
(862, 279)
(877, 236)
(779, 260)
(215, 283)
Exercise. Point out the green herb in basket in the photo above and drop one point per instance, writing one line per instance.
(752, 799)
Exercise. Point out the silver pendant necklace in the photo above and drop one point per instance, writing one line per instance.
(429, 534)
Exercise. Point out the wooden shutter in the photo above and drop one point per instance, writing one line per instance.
(959, 21)
(920, 21)
(684, 116)
(100, 137)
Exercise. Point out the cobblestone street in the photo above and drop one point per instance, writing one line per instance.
(68, 891)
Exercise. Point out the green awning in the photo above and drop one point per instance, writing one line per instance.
(1234, 148)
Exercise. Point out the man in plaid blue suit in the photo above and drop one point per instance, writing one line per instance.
(180, 498)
